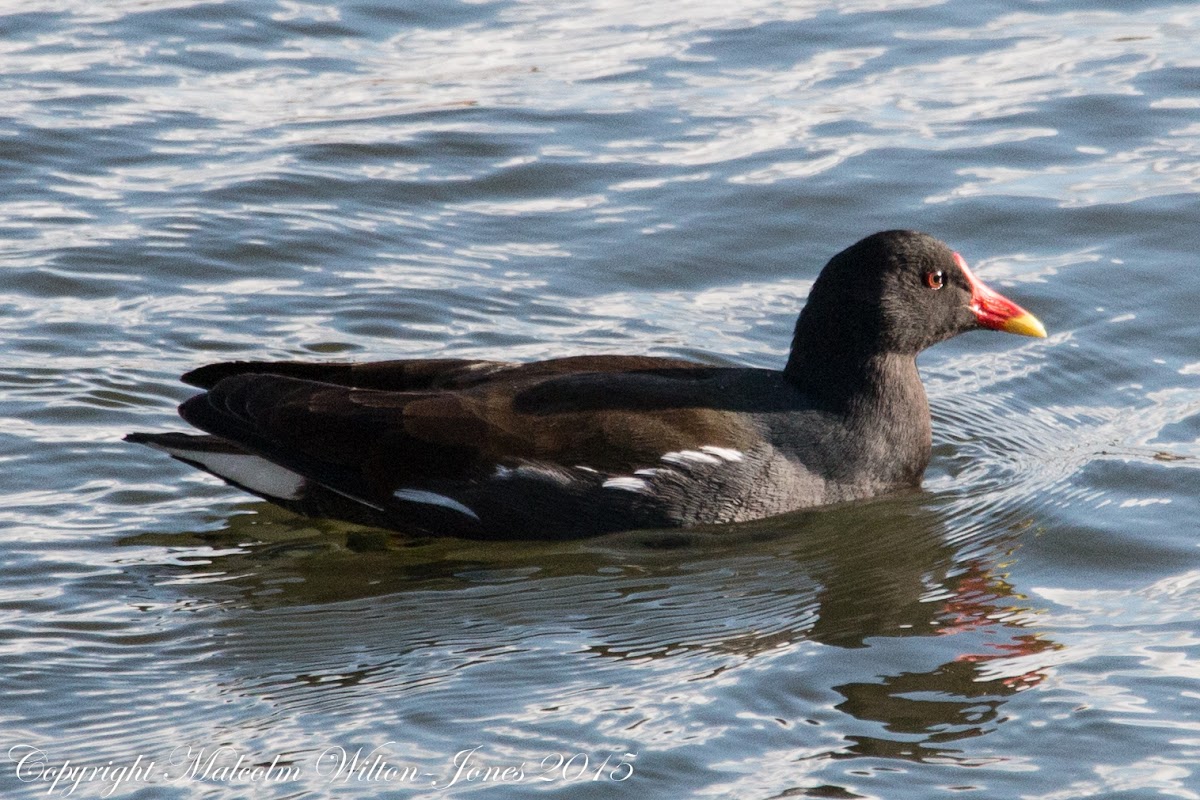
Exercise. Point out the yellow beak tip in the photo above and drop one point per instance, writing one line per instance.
(1025, 325)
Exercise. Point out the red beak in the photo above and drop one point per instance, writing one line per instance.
(994, 310)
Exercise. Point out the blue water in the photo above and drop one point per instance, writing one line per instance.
(188, 182)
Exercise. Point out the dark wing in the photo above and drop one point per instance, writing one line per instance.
(411, 375)
(525, 444)
(395, 376)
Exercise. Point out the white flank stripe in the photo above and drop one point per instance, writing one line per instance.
(434, 499)
(685, 457)
(727, 453)
(548, 474)
(627, 483)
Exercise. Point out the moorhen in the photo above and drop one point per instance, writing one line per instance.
(586, 445)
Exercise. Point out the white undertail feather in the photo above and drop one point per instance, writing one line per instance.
(253, 472)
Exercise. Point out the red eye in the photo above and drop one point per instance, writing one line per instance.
(935, 279)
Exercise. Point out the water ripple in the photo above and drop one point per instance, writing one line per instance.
(189, 182)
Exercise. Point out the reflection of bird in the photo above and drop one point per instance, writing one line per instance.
(586, 445)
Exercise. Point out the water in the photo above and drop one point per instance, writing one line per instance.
(187, 182)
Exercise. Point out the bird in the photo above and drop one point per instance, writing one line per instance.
(587, 445)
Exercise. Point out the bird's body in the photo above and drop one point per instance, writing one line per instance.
(581, 446)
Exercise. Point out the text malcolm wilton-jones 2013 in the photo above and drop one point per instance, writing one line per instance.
(333, 765)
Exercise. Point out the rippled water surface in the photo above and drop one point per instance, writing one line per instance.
(185, 182)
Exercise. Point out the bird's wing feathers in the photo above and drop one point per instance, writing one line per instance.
(374, 444)
(408, 375)
(395, 376)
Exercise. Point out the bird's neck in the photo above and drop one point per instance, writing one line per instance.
(841, 380)
(881, 401)
(838, 364)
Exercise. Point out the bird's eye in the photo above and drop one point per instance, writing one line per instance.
(935, 279)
